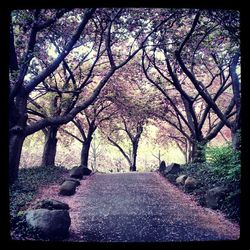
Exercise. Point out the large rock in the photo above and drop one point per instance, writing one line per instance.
(173, 168)
(190, 183)
(214, 195)
(68, 188)
(52, 224)
(76, 172)
(86, 171)
(162, 167)
(52, 204)
(181, 179)
(74, 180)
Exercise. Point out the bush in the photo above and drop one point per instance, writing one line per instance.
(225, 165)
(225, 162)
(221, 169)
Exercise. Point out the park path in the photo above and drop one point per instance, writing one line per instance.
(141, 207)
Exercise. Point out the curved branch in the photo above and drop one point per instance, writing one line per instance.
(121, 150)
(53, 66)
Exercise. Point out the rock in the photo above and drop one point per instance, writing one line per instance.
(190, 183)
(73, 179)
(52, 204)
(181, 179)
(214, 195)
(68, 188)
(86, 171)
(162, 167)
(76, 172)
(173, 168)
(171, 177)
(53, 224)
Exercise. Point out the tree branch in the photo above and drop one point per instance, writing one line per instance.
(53, 66)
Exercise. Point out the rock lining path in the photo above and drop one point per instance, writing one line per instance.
(141, 207)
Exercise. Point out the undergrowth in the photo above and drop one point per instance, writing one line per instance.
(23, 191)
(222, 168)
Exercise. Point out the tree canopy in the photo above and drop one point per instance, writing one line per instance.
(120, 71)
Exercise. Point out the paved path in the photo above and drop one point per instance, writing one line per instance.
(142, 207)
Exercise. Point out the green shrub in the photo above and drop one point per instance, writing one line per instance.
(225, 162)
(225, 165)
(222, 168)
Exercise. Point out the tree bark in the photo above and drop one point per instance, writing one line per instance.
(198, 153)
(17, 123)
(12, 51)
(188, 152)
(236, 124)
(85, 152)
(49, 151)
(134, 156)
(236, 139)
(15, 150)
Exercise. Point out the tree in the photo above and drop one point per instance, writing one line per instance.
(20, 88)
(95, 152)
(134, 133)
(195, 82)
(87, 122)
(127, 124)
(33, 31)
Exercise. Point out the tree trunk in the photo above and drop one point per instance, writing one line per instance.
(49, 150)
(134, 155)
(189, 152)
(85, 152)
(94, 148)
(186, 152)
(236, 139)
(198, 153)
(17, 123)
(15, 150)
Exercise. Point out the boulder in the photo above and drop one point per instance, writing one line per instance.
(52, 224)
(173, 168)
(73, 179)
(181, 179)
(68, 188)
(190, 183)
(214, 195)
(86, 171)
(76, 172)
(52, 204)
(162, 167)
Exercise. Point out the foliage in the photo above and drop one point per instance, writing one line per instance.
(226, 165)
(225, 162)
(221, 169)
(23, 191)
